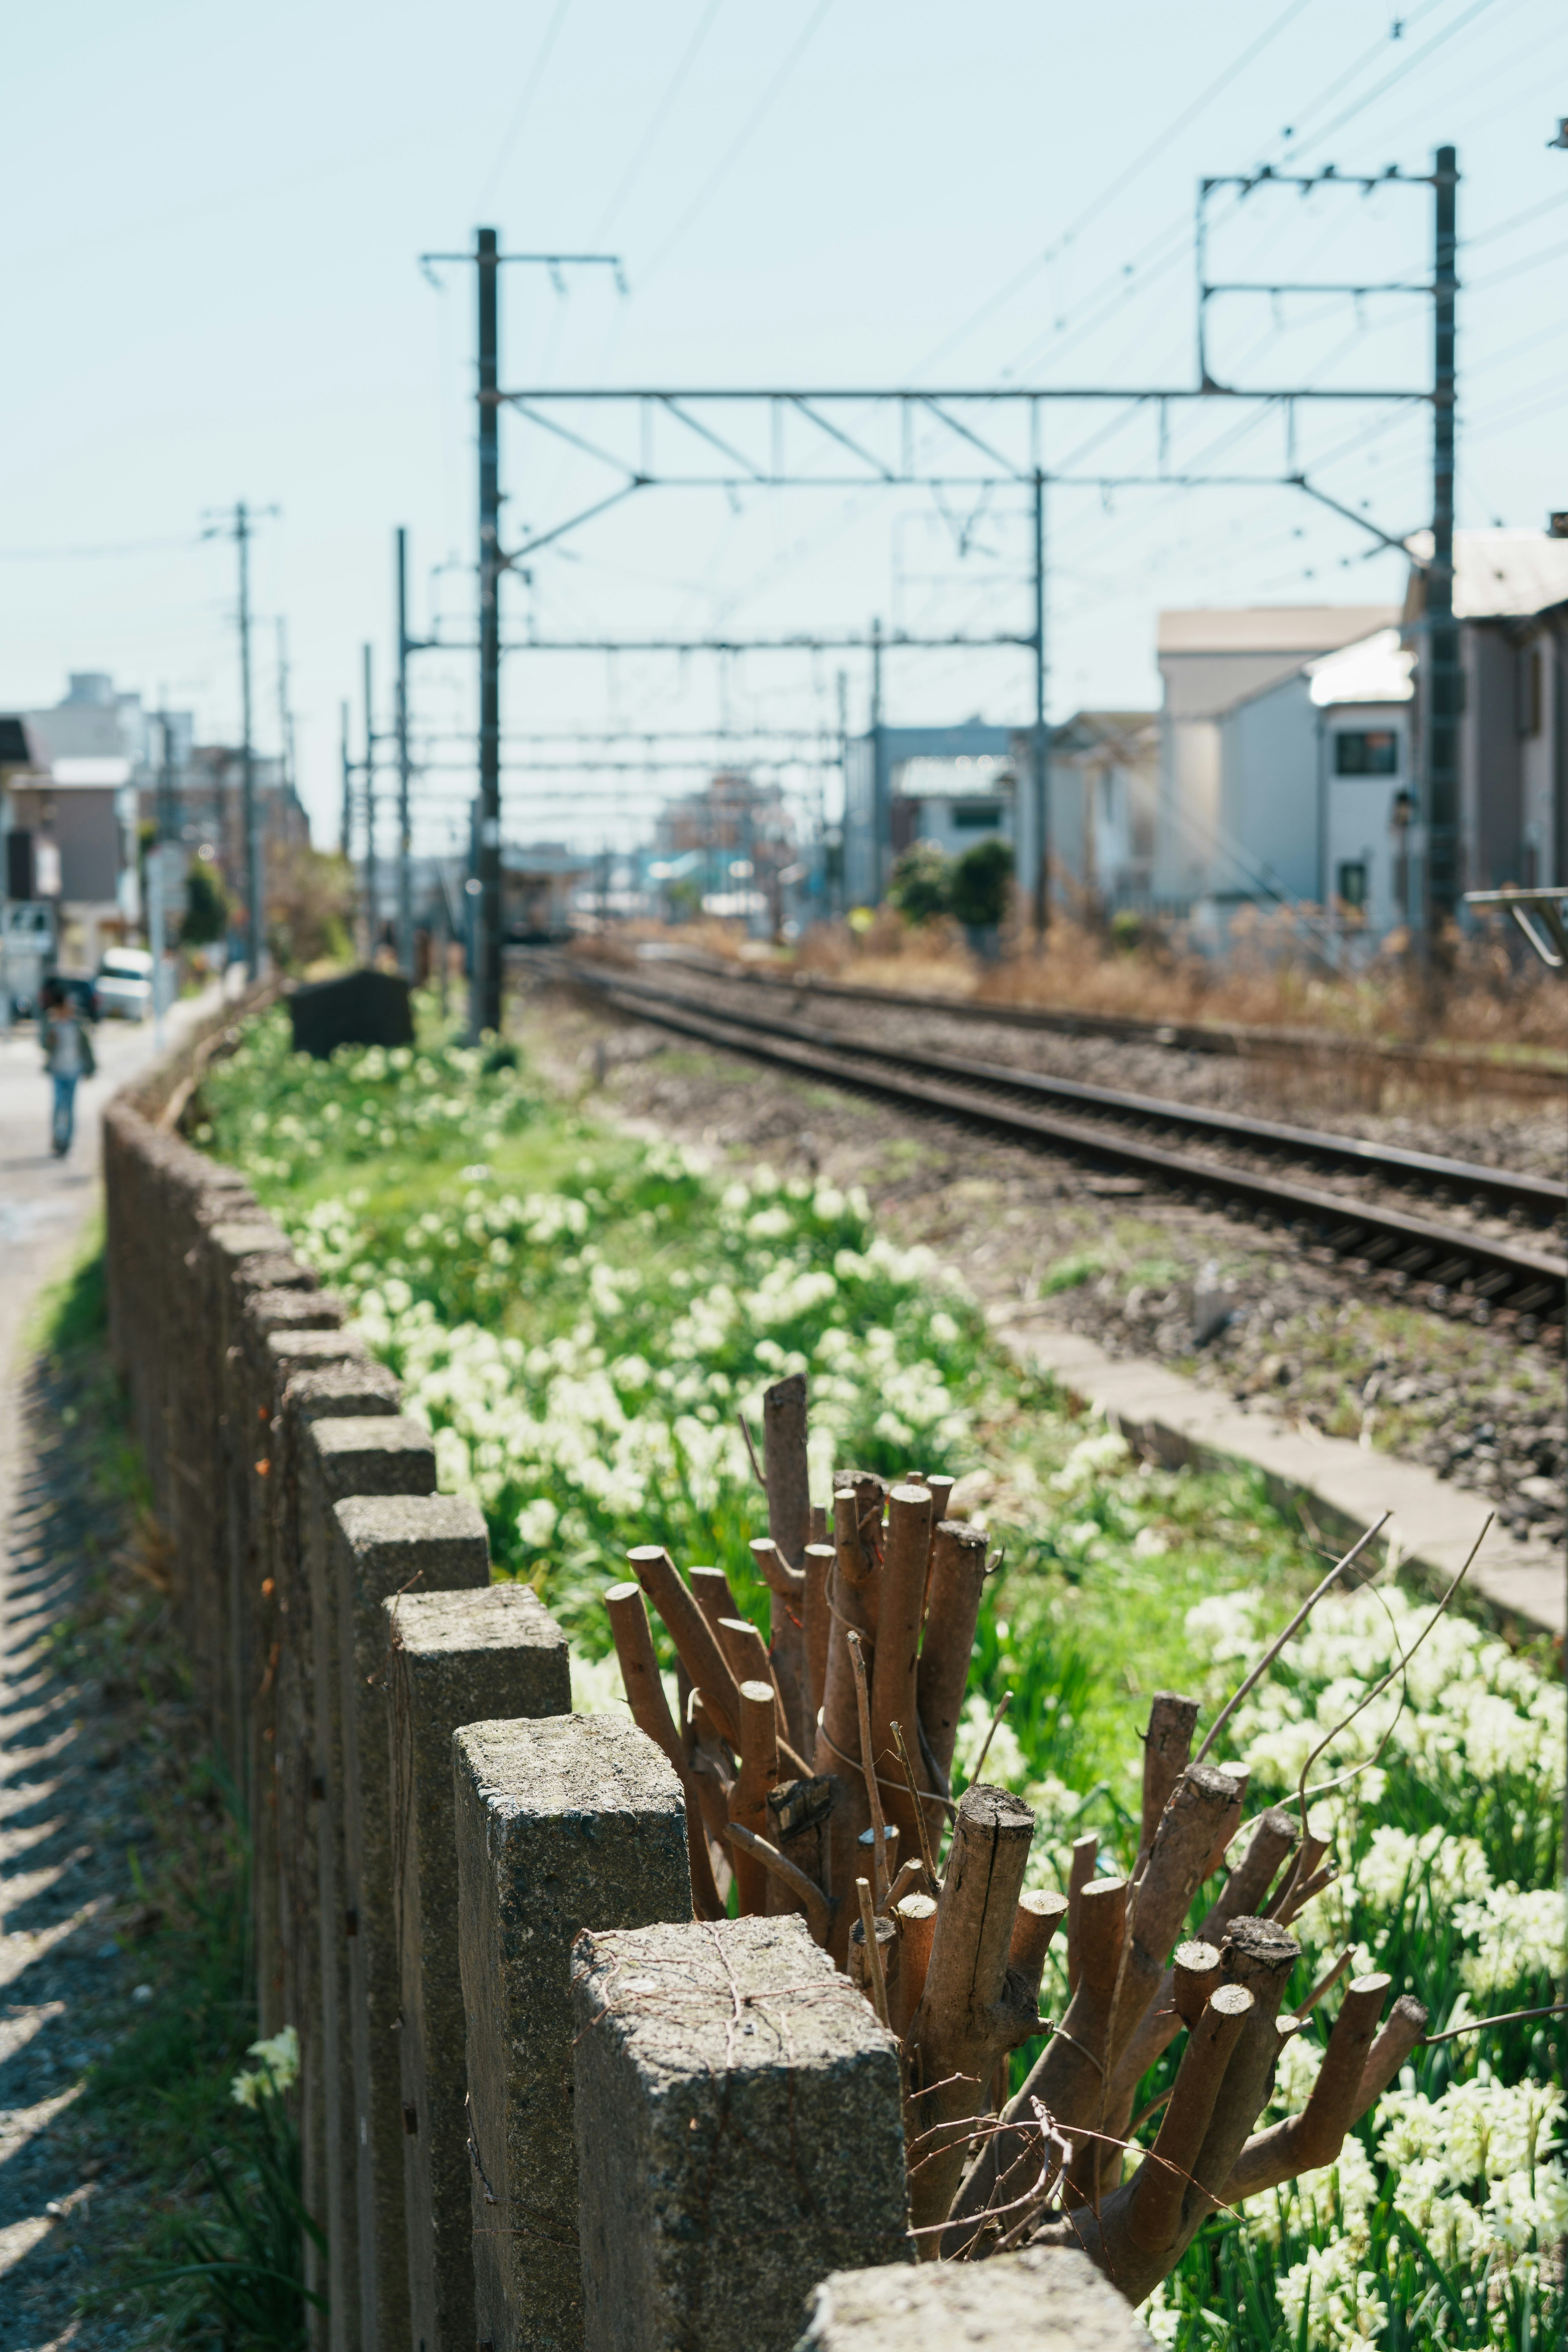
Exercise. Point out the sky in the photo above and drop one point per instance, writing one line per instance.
(209, 257)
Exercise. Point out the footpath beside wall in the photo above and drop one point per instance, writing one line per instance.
(539, 2104)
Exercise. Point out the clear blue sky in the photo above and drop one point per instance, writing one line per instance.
(208, 261)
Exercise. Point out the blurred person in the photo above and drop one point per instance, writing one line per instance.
(67, 1057)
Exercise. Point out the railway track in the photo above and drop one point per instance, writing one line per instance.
(1162, 1141)
(1233, 1041)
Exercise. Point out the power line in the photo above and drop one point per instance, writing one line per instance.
(660, 113)
(530, 91)
(741, 140)
(1114, 188)
(1407, 66)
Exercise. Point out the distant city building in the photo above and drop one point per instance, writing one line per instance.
(99, 772)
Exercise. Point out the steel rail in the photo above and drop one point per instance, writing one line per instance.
(1229, 1040)
(1447, 1256)
(1509, 1189)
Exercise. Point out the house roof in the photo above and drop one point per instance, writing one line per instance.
(85, 772)
(1304, 629)
(1377, 669)
(1498, 574)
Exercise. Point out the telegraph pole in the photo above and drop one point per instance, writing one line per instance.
(485, 988)
(1443, 674)
(285, 715)
(405, 831)
(1039, 750)
(346, 820)
(881, 813)
(168, 823)
(241, 527)
(486, 1010)
(369, 814)
(253, 879)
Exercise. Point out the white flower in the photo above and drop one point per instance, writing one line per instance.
(536, 1522)
(277, 2072)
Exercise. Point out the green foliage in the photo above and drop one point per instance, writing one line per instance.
(921, 883)
(583, 1317)
(206, 907)
(982, 878)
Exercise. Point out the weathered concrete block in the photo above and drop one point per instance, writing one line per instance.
(574, 1821)
(1046, 2299)
(739, 2132)
(456, 1658)
(384, 1544)
(365, 1455)
(323, 1377)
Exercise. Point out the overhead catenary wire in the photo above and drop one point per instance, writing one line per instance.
(742, 140)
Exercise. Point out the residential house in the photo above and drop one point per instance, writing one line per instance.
(1511, 597)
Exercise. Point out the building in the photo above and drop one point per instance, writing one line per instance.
(947, 784)
(1510, 598)
(954, 785)
(1245, 754)
(100, 773)
(1104, 808)
(729, 850)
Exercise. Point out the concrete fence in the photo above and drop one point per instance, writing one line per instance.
(539, 2104)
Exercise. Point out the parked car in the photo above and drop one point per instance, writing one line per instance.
(125, 983)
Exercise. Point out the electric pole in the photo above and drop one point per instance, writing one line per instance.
(167, 827)
(486, 1012)
(485, 988)
(285, 715)
(881, 813)
(1442, 674)
(369, 814)
(346, 820)
(241, 528)
(405, 831)
(1039, 750)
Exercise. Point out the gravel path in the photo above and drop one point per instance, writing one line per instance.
(1140, 1272)
(70, 1812)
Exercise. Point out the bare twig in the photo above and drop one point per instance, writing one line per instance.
(874, 1802)
(932, 1882)
(1002, 1703)
(1272, 1651)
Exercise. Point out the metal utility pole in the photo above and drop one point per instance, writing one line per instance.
(346, 820)
(285, 715)
(167, 825)
(369, 813)
(1443, 673)
(241, 527)
(1039, 750)
(486, 1010)
(881, 814)
(405, 830)
(485, 965)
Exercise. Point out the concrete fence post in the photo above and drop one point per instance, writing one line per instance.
(456, 1658)
(572, 1822)
(1046, 2299)
(385, 1546)
(314, 1388)
(363, 1454)
(739, 2134)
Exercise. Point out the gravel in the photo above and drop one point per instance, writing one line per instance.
(1036, 1235)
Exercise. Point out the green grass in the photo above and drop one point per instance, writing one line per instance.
(187, 2173)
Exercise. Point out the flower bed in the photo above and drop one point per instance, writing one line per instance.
(582, 1318)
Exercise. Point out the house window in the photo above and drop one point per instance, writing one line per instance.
(1530, 690)
(1366, 751)
(1352, 886)
(975, 816)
